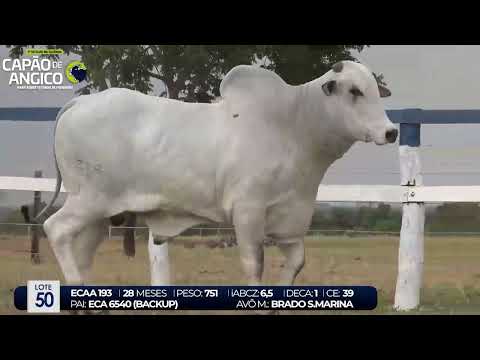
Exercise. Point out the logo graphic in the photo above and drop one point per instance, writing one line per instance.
(34, 73)
(76, 72)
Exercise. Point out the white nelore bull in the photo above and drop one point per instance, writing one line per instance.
(254, 160)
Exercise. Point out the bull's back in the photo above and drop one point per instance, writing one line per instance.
(143, 151)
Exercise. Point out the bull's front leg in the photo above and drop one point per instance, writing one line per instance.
(249, 222)
(288, 225)
(294, 252)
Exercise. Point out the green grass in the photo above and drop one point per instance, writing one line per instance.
(451, 283)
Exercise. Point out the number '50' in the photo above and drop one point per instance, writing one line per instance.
(44, 298)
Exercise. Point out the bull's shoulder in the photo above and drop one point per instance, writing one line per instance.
(250, 81)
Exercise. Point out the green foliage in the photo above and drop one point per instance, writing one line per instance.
(387, 225)
(15, 217)
(444, 218)
(454, 217)
(190, 72)
(380, 218)
(298, 64)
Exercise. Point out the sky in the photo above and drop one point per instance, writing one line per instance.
(419, 76)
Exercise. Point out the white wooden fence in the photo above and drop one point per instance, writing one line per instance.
(411, 192)
(407, 295)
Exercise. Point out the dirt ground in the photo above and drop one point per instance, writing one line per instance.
(451, 274)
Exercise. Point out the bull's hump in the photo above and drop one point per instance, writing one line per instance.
(250, 81)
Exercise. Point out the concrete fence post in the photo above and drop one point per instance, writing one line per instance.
(411, 247)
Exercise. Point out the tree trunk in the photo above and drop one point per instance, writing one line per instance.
(173, 91)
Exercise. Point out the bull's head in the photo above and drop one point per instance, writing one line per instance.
(354, 100)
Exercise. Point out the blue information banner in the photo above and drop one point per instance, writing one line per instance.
(200, 297)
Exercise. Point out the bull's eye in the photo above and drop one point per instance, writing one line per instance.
(356, 92)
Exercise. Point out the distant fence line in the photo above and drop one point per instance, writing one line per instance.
(211, 231)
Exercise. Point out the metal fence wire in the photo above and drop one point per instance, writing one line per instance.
(142, 232)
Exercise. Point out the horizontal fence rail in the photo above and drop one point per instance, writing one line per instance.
(225, 230)
(29, 114)
(361, 193)
(420, 116)
(28, 184)
(326, 193)
(404, 116)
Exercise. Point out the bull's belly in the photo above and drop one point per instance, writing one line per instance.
(143, 193)
(193, 205)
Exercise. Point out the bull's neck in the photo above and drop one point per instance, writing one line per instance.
(317, 125)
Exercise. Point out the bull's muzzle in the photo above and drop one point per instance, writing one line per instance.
(391, 135)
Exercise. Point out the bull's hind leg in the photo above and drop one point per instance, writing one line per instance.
(85, 245)
(73, 221)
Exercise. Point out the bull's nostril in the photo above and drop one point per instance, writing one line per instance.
(391, 135)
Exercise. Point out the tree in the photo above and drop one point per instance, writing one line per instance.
(190, 72)
(298, 64)
(194, 72)
(383, 211)
(454, 217)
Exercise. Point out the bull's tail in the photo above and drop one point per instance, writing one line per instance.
(59, 175)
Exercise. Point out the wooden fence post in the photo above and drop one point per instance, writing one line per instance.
(411, 247)
(36, 230)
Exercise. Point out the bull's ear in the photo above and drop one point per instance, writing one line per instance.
(329, 87)
(384, 92)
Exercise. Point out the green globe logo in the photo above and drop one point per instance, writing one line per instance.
(76, 72)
